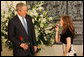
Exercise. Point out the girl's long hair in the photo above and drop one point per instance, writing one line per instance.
(67, 23)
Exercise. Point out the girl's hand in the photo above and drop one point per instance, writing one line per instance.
(65, 54)
(57, 28)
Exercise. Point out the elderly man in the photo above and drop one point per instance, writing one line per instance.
(21, 31)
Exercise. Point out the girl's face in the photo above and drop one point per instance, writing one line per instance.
(61, 22)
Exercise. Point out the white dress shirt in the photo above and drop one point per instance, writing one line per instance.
(21, 19)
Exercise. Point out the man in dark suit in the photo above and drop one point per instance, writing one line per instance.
(21, 26)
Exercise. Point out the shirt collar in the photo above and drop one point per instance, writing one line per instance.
(19, 16)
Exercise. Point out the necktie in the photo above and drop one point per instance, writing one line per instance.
(25, 25)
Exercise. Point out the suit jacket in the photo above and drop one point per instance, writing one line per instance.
(16, 30)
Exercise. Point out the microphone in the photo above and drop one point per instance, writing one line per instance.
(54, 27)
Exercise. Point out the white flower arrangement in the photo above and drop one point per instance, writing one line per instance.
(40, 8)
(42, 22)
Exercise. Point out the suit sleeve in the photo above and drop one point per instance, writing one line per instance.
(11, 34)
(33, 33)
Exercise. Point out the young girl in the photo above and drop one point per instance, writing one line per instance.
(67, 34)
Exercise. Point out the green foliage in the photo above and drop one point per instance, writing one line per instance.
(5, 17)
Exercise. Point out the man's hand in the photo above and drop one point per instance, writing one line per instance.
(24, 46)
(35, 48)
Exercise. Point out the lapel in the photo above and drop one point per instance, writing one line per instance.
(21, 25)
(28, 24)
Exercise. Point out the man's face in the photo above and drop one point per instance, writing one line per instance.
(23, 11)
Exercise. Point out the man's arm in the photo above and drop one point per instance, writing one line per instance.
(33, 33)
(11, 34)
